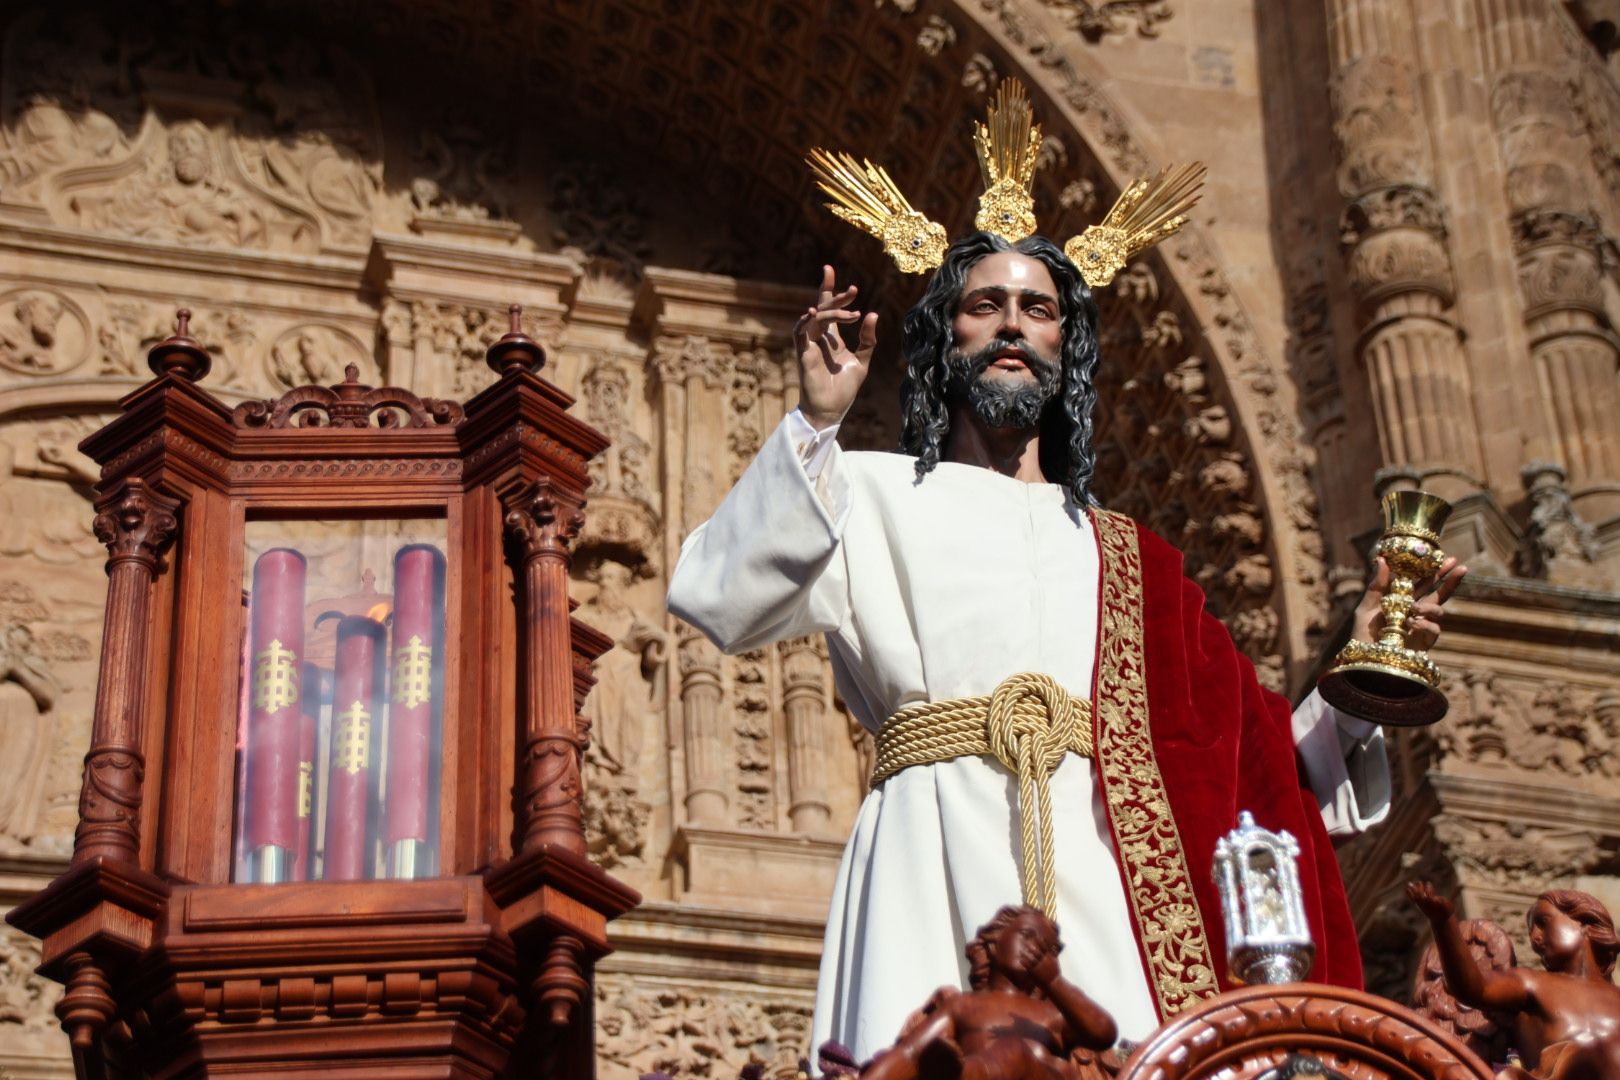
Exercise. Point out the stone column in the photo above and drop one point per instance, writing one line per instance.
(1557, 244)
(707, 736)
(1394, 239)
(136, 524)
(804, 700)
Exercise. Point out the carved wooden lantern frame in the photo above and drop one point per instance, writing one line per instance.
(170, 967)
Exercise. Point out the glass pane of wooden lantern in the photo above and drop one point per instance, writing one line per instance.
(340, 740)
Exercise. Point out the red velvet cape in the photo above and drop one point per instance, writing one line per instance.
(1220, 744)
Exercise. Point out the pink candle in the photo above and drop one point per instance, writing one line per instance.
(274, 717)
(417, 671)
(358, 681)
(309, 718)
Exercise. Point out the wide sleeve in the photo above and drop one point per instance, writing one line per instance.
(770, 563)
(1344, 760)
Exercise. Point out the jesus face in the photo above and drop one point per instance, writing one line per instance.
(1007, 334)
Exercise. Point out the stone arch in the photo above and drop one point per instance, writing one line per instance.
(671, 133)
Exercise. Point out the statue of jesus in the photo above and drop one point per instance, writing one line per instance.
(1057, 716)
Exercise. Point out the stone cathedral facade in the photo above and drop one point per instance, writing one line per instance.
(1405, 272)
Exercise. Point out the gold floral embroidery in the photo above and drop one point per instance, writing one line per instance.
(1180, 966)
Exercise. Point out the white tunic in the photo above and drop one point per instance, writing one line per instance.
(926, 591)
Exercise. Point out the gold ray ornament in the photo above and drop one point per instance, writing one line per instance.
(865, 196)
(1008, 145)
(1149, 211)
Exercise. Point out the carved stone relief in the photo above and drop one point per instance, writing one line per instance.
(42, 332)
(51, 593)
(463, 170)
(752, 709)
(316, 354)
(599, 219)
(687, 1030)
(623, 708)
(282, 153)
(26, 1000)
(461, 335)
(1520, 725)
(132, 327)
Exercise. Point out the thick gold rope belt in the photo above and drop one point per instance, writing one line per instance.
(1028, 723)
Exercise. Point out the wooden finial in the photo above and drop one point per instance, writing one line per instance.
(515, 351)
(180, 354)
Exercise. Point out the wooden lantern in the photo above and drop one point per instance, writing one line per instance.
(419, 902)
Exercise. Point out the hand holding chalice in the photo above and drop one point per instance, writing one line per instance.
(1387, 681)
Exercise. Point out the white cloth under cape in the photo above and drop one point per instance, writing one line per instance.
(937, 589)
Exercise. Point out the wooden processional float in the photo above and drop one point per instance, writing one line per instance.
(330, 822)
(1020, 1019)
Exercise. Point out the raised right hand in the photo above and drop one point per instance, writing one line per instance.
(830, 372)
(1429, 901)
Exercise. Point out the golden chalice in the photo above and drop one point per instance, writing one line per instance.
(1385, 681)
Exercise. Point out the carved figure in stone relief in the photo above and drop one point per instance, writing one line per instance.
(1020, 1019)
(45, 137)
(1564, 1022)
(28, 338)
(626, 675)
(181, 193)
(27, 693)
(973, 581)
(314, 355)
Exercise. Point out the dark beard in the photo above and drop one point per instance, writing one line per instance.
(998, 404)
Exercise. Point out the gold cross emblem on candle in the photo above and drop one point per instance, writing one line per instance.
(353, 739)
(275, 677)
(413, 673)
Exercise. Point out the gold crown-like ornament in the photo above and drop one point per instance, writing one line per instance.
(1008, 147)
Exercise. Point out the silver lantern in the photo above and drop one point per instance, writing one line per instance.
(1257, 872)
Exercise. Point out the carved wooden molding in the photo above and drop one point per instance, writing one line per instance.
(348, 404)
(1245, 1033)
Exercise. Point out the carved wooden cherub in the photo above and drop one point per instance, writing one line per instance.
(1021, 1020)
(1563, 1022)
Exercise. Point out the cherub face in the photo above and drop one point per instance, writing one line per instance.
(1018, 944)
(1555, 937)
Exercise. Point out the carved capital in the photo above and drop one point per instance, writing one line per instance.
(137, 524)
(1408, 206)
(802, 662)
(544, 520)
(1555, 276)
(1542, 225)
(699, 659)
(1400, 260)
(678, 359)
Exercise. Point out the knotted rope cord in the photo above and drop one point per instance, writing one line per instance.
(1027, 723)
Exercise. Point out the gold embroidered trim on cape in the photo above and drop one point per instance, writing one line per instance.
(1180, 967)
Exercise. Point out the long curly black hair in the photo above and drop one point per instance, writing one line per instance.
(1067, 456)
